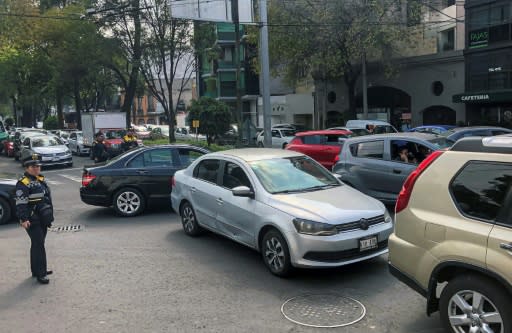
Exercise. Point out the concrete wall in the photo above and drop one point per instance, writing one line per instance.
(286, 108)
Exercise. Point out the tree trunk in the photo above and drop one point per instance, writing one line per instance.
(15, 110)
(352, 102)
(60, 114)
(170, 115)
(78, 104)
(137, 55)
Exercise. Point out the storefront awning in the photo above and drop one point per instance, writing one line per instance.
(483, 97)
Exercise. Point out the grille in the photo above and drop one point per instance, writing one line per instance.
(344, 255)
(345, 227)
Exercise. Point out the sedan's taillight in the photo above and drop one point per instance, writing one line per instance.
(173, 182)
(405, 193)
(87, 178)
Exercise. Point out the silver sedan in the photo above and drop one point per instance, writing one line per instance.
(282, 204)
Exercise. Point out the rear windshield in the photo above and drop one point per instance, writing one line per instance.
(442, 142)
(382, 129)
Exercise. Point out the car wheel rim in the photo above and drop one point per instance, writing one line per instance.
(188, 219)
(470, 311)
(128, 202)
(1, 212)
(274, 254)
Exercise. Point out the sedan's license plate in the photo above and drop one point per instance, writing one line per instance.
(56, 159)
(368, 243)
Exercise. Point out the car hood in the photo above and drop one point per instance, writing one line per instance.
(50, 150)
(336, 205)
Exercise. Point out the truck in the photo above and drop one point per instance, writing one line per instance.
(111, 124)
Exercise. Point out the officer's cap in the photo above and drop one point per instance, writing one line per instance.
(34, 160)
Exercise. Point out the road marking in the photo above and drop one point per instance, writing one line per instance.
(49, 171)
(77, 179)
(54, 182)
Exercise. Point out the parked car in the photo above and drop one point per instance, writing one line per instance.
(133, 180)
(453, 234)
(113, 142)
(50, 148)
(355, 131)
(432, 129)
(7, 195)
(379, 126)
(3, 135)
(8, 146)
(458, 133)
(322, 146)
(20, 136)
(76, 144)
(62, 134)
(282, 204)
(280, 138)
(378, 165)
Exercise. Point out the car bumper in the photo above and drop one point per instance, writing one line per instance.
(338, 250)
(63, 161)
(406, 279)
(94, 199)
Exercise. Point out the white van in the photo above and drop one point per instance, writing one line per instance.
(380, 127)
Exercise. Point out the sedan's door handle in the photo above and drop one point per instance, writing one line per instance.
(397, 171)
(142, 172)
(220, 201)
(506, 246)
(193, 189)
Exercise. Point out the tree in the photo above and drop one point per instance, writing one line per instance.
(51, 123)
(334, 36)
(167, 59)
(214, 117)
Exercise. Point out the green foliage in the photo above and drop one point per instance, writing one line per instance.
(212, 147)
(51, 123)
(214, 117)
(9, 122)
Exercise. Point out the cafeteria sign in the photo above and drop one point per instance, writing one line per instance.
(467, 98)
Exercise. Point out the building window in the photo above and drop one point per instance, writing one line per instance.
(446, 40)
(492, 70)
(489, 25)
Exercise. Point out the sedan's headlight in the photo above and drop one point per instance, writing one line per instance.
(314, 228)
(387, 217)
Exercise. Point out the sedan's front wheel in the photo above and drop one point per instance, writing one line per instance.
(189, 220)
(129, 202)
(471, 303)
(276, 254)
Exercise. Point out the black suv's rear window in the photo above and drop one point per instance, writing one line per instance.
(481, 188)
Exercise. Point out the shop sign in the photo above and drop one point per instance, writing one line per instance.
(483, 97)
(478, 38)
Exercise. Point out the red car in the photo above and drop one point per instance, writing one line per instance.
(8, 147)
(322, 146)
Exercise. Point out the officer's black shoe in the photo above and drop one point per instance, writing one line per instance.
(47, 273)
(43, 280)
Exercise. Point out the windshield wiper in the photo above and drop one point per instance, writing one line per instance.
(320, 187)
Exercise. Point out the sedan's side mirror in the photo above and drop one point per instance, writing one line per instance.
(243, 191)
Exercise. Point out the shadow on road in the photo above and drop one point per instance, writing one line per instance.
(105, 216)
(18, 294)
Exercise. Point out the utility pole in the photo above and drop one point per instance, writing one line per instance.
(239, 111)
(265, 73)
(365, 88)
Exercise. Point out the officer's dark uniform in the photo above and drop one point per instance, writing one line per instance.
(31, 193)
(99, 152)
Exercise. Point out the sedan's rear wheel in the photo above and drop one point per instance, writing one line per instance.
(5, 211)
(276, 254)
(189, 220)
(472, 303)
(129, 202)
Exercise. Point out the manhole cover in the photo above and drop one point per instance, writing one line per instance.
(68, 228)
(323, 310)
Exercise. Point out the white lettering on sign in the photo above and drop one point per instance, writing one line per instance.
(484, 97)
(495, 69)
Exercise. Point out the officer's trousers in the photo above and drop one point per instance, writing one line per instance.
(37, 234)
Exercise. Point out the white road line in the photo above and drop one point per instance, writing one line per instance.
(54, 182)
(77, 179)
(49, 171)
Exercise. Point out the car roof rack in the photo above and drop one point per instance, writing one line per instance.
(501, 144)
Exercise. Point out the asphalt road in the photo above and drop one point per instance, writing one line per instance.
(143, 274)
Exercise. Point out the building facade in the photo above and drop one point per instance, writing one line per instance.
(488, 57)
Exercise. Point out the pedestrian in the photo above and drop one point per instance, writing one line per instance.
(99, 150)
(35, 211)
(129, 140)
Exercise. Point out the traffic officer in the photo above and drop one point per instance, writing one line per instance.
(129, 140)
(99, 150)
(35, 212)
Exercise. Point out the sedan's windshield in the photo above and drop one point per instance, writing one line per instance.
(295, 174)
(46, 142)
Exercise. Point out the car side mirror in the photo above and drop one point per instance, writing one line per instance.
(243, 191)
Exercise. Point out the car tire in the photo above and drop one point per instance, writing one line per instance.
(260, 145)
(129, 202)
(189, 220)
(464, 289)
(5, 211)
(284, 145)
(16, 157)
(276, 254)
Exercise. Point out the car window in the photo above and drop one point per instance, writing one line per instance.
(409, 151)
(368, 149)
(499, 132)
(476, 133)
(137, 162)
(72, 136)
(234, 176)
(158, 158)
(334, 140)
(287, 132)
(188, 156)
(312, 139)
(275, 134)
(381, 129)
(207, 170)
(26, 142)
(480, 188)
